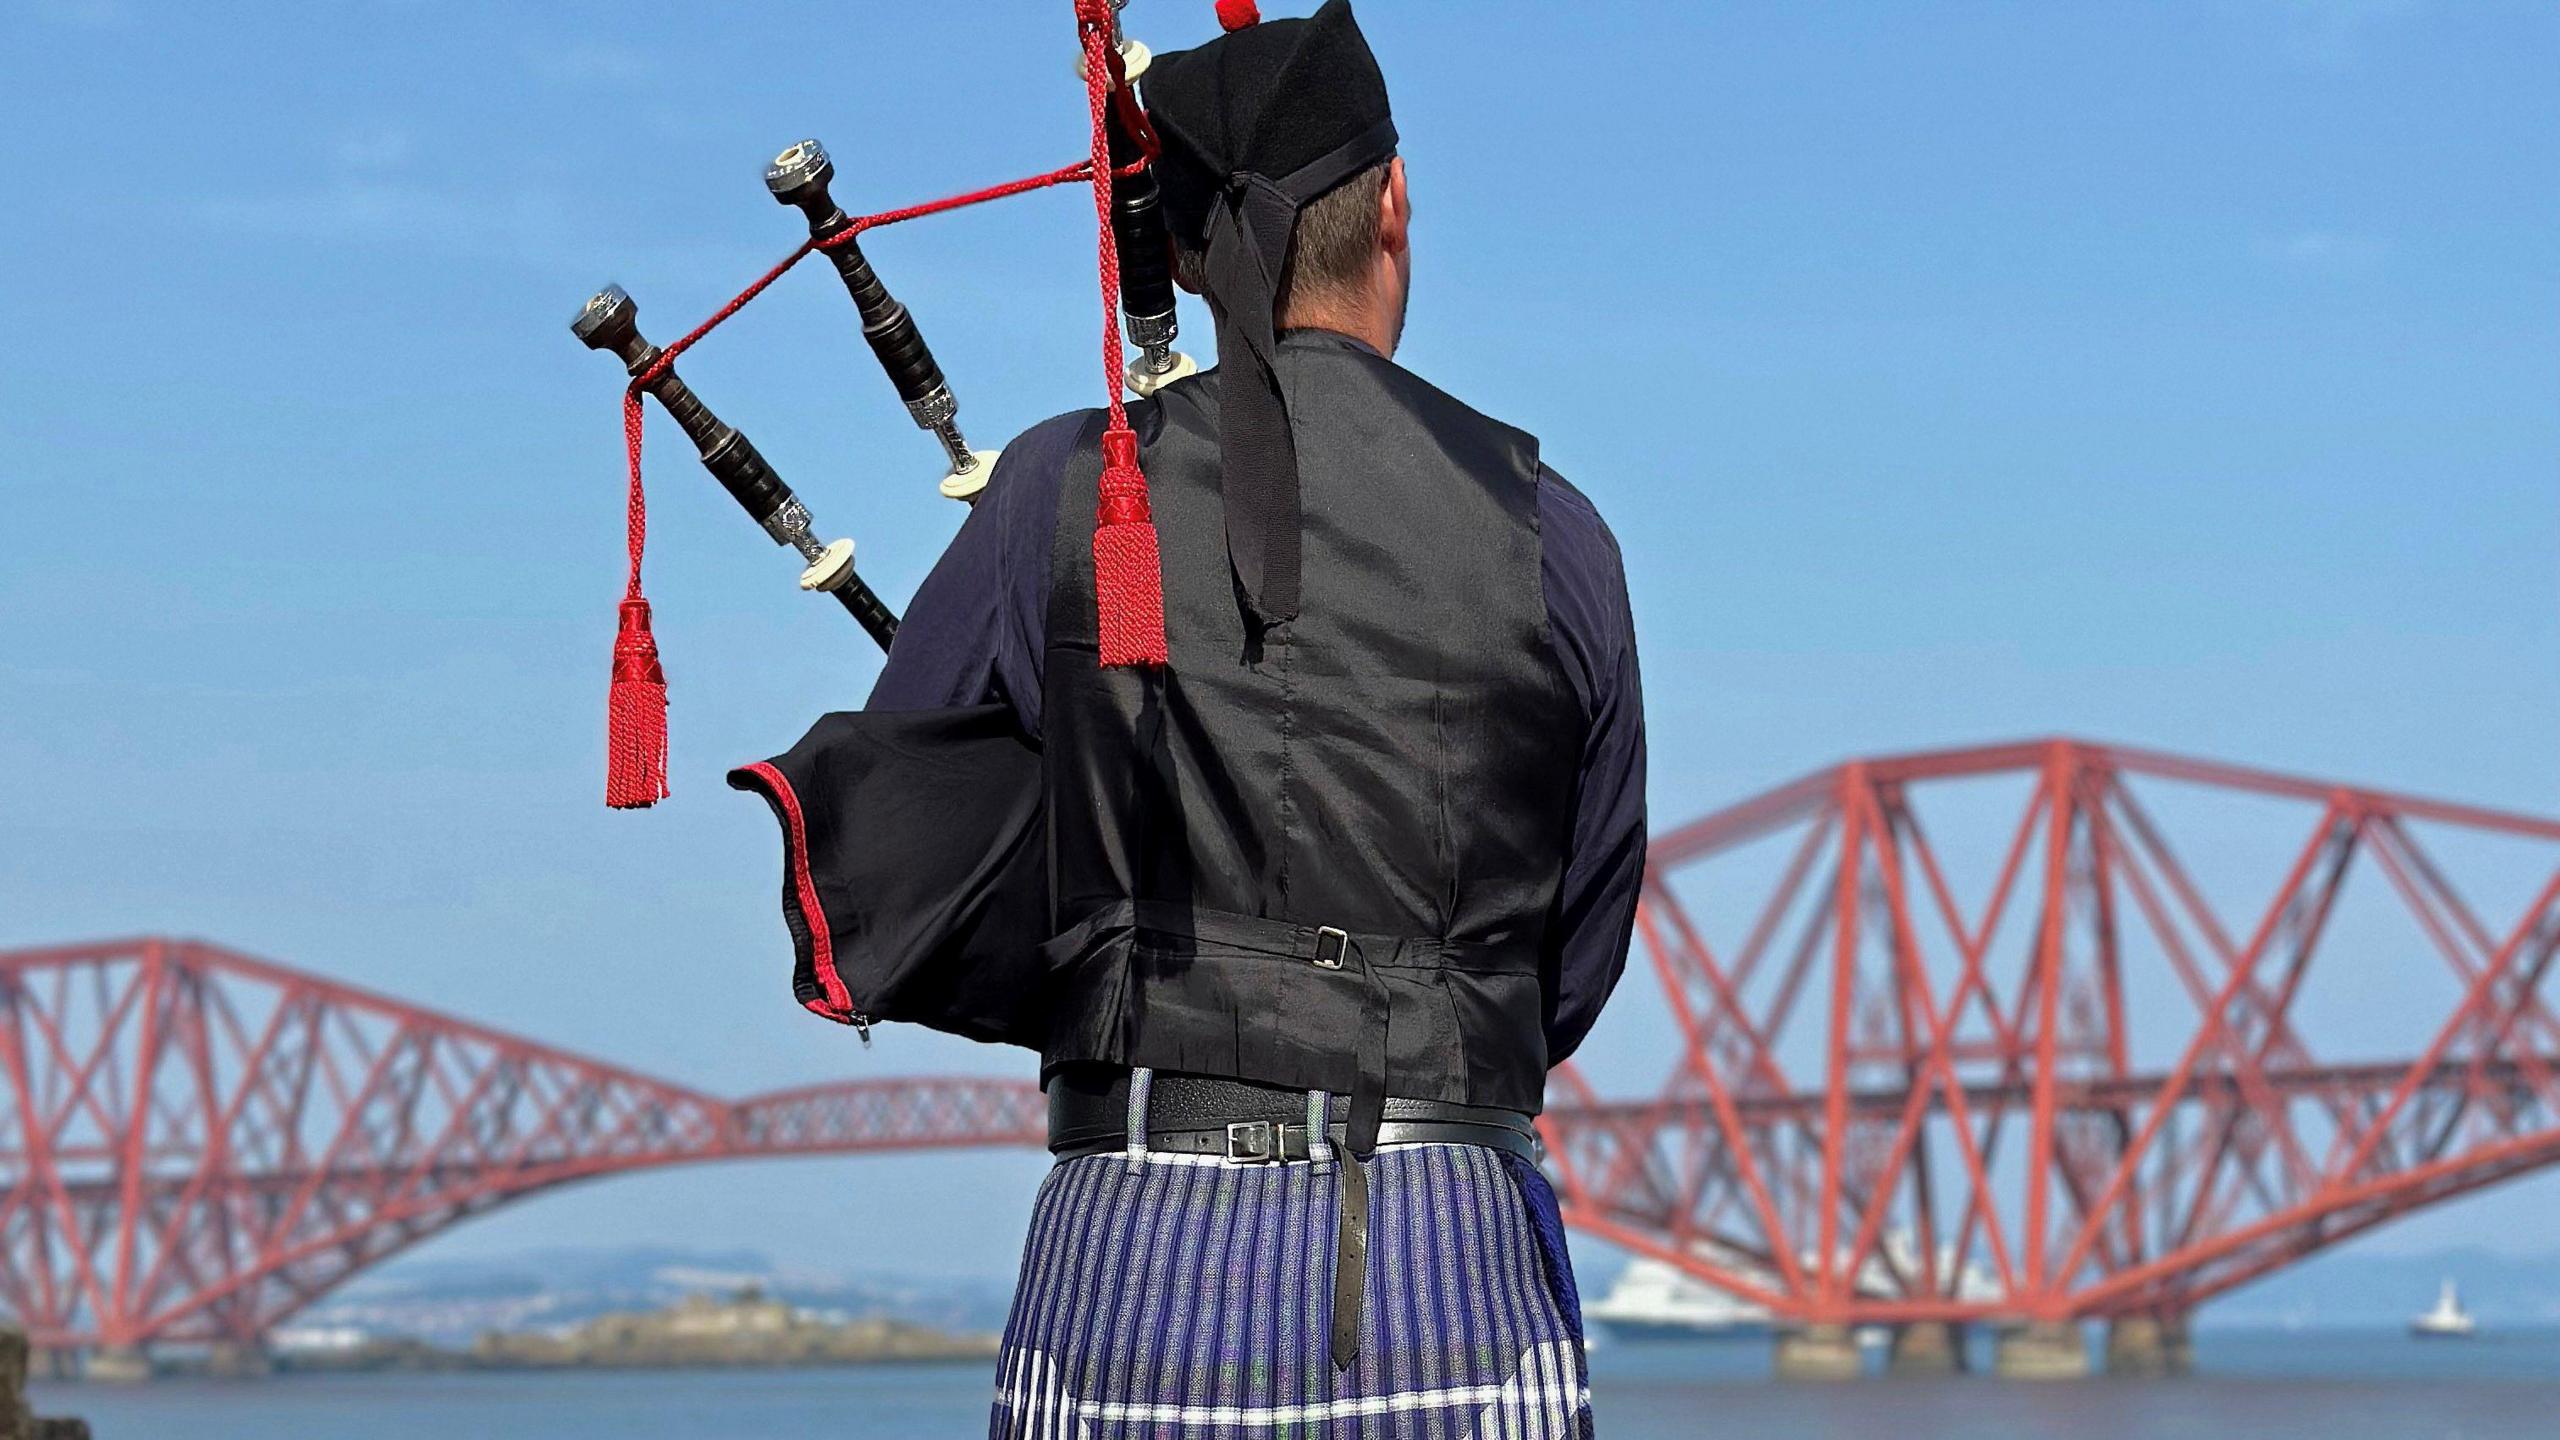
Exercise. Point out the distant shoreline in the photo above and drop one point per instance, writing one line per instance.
(411, 1358)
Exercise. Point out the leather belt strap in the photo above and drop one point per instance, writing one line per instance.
(1350, 1259)
(1320, 945)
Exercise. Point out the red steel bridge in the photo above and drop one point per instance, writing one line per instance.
(2019, 1065)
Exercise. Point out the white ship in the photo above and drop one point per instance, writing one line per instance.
(1656, 1301)
(2448, 1321)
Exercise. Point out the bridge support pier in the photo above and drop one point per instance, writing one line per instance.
(1926, 1347)
(117, 1365)
(238, 1360)
(2041, 1350)
(1819, 1352)
(2149, 1347)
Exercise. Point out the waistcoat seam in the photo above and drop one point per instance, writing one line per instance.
(1288, 750)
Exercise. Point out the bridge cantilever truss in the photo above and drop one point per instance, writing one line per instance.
(201, 1143)
(1898, 1098)
(1895, 1095)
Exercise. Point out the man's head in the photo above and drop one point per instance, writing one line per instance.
(1301, 105)
(1350, 268)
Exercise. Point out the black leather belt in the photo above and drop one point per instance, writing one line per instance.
(1252, 1124)
(1267, 1142)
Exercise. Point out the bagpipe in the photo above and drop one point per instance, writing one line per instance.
(1135, 264)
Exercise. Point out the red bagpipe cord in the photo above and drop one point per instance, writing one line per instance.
(1128, 576)
(635, 711)
(1128, 569)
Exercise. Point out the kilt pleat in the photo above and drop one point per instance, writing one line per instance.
(1185, 1298)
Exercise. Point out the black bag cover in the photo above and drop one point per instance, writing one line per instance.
(915, 869)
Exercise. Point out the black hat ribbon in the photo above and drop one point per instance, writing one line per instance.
(1250, 225)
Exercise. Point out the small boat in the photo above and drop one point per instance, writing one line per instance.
(2448, 1321)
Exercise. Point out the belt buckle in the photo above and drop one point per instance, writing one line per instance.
(1331, 945)
(1252, 1142)
(1265, 1142)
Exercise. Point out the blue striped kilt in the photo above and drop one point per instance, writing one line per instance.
(1187, 1298)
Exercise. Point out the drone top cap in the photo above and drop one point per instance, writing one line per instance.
(605, 318)
(799, 176)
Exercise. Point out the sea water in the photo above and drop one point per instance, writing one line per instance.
(2315, 1385)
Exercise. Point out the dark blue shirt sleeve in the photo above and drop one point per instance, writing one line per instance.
(1595, 640)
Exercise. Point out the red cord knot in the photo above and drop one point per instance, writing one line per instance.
(1124, 485)
(1237, 14)
(1128, 568)
(635, 773)
(635, 649)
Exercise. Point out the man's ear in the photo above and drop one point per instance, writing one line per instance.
(1395, 210)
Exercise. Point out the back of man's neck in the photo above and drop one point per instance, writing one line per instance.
(1365, 329)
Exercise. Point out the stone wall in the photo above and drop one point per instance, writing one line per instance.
(16, 1421)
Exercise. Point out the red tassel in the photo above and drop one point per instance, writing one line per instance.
(1237, 14)
(1128, 571)
(635, 767)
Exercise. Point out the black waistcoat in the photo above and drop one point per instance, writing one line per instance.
(1326, 855)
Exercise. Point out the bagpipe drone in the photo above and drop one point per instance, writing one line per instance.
(1135, 264)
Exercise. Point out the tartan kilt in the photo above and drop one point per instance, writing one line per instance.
(1188, 1298)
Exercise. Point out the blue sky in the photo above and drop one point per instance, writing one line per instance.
(2183, 374)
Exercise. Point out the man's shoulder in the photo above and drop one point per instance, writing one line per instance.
(1568, 516)
(1055, 436)
(1577, 537)
(1429, 396)
(1023, 491)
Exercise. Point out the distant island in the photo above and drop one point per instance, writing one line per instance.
(429, 1305)
(448, 1303)
(746, 1329)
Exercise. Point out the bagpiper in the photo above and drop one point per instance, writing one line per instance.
(1336, 885)
(1268, 753)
